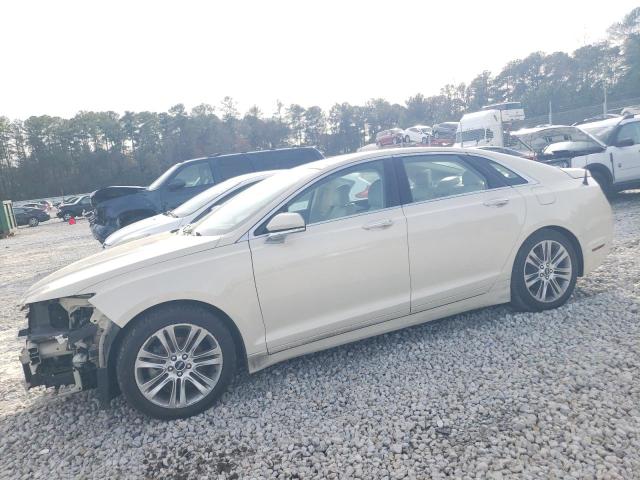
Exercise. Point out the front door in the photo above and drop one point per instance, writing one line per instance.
(348, 269)
(627, 159)
(461, 229)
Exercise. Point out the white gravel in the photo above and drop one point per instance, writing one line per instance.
(489, 394)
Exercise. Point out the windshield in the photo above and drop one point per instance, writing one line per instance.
(241, 207)
(601, 130)
(158, 182)
(202, 199)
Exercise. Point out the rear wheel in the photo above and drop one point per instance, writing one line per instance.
(176, 361)
(424, 140)
(66, 217)
(407, 139)
(544, 273)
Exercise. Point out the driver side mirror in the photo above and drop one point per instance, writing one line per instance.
(176, 184)
(283, 224)
(625, 142)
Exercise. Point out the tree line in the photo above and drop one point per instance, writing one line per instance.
(49, 156)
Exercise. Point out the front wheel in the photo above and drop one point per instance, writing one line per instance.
(33, 222)
(407, 139)
(176, 361)
(66, 217)
(604, 181)
(544, 273)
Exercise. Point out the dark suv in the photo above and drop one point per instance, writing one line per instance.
(116, 207)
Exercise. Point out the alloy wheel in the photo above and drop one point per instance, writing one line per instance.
(548, 271)
(178, 365)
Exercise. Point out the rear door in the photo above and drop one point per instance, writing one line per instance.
(462, 226)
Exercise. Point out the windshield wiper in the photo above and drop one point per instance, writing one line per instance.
(169, 213)
(188, 230)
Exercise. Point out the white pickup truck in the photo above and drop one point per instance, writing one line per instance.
(609, 149)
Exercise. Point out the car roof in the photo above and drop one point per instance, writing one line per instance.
(339, 160)
(253, 152)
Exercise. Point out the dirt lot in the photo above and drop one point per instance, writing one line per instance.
(491, 393)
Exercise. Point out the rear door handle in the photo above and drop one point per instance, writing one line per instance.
(378, 225)
(498, 202)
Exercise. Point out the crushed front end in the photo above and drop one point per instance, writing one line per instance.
(67, 344)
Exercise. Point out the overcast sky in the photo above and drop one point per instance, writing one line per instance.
(59, 57)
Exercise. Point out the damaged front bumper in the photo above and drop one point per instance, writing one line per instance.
(68, 343)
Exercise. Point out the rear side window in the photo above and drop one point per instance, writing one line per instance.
(283, 159)
(509, 176)
(231, 166)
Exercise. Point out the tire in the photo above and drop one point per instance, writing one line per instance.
(178, 372)
(535, 297)
(396, 140)
(604, 181)
(66, 217)
(407, 139)
(424, 140)
(33, 222)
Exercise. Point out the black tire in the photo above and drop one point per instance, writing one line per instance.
(604, 181)
(33, 222)
(66, 217)
(407, 139)
(521, 298)
(149, 324)
(425, 140)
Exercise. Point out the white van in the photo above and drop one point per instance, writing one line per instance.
(479, 129)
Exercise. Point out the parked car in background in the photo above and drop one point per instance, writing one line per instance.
(37, 205)
(299, 263)
(78, 207)
(191, 211)
(418, 134)
(30, 216)
(508, 151)
(392, 136)
(444, 134)
(117, 207)
(611, 152)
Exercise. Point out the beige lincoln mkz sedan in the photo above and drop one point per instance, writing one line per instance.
(310, 258)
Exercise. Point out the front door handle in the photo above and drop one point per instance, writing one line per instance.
(378, 225)
(498, 202)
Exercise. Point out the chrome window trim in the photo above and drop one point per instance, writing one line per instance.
(448, 197)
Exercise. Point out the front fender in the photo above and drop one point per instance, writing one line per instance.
(221, 277)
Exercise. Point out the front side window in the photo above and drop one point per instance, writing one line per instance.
(195, 175)
(438, 176)
(351, 191)
(630, 131)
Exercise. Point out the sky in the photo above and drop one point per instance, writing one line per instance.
(59, 57)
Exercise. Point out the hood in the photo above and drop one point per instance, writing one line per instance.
(143, 228)
(571, 148)
(539, 138)
(108, 193)
(79, 277)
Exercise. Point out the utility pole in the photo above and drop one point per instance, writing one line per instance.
(604, 105)
(550, 114)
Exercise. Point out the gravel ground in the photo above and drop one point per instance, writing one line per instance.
(488, 394)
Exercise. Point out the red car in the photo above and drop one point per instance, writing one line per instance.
(392, 136)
